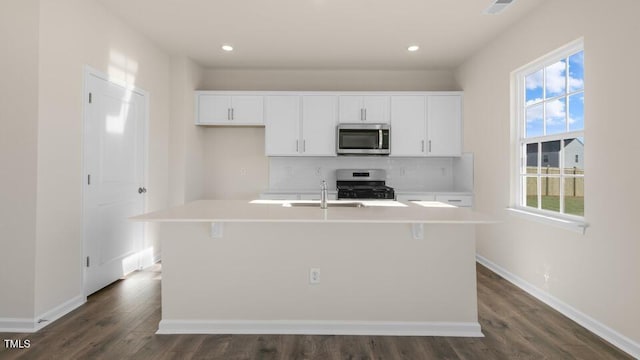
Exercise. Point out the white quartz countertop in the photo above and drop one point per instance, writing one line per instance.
(387, 211)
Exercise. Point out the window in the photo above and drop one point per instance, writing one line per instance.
(549, 149)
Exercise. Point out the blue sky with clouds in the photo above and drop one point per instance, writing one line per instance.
(543, 85)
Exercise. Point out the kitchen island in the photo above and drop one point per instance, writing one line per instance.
(275, 267)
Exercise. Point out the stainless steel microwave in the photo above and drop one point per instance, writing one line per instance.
(363, 139)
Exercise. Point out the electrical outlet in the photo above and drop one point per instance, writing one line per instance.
(318, 171)
(314, 276)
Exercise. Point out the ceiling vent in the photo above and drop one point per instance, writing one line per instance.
(498, 6)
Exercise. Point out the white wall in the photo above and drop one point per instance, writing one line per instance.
(235, 164)
(18, 156)
(327, 80)
(598, 273)
(186, 141)
(74, 33)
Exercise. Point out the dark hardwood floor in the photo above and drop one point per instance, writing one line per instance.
(120, 321)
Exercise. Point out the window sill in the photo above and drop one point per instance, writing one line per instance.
(571, 225)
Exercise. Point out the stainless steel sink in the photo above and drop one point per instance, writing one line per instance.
(331, 204)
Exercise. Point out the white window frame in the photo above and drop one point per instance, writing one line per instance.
(518, 142)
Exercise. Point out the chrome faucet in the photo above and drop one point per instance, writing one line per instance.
(323, 195)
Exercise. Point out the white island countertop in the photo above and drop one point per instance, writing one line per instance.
(387, 211)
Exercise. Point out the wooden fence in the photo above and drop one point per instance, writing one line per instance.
(550, 186)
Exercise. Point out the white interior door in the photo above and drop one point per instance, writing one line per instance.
(114, 163)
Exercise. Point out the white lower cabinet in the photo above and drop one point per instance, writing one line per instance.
(316, 196)
(332, 195)
(300, 125)
(457, 200)
(415, 197)
(452, 199)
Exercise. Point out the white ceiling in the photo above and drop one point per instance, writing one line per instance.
(320, 34)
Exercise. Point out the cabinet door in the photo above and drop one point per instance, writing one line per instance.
(214, 109)
(319, 125)
(351, 110)
(376, 109)
(444, 119)
(456, 200)
(282, 133)
(247, 110)
(408, 125)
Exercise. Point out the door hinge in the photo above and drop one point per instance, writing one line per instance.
(89, 179)
(90, 98)
(88, 261)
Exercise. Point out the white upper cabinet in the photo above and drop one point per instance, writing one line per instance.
(304, 123)
(408, 125)
(214, 109)
(282, 122)
(444, 125)
(300, 125)
(428, 125)
(364, 108)
(319, 113)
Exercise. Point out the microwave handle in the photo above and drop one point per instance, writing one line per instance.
(380, 139)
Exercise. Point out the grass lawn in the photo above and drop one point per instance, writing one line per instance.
(572, 205)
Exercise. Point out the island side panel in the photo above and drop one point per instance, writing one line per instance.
(259, 272)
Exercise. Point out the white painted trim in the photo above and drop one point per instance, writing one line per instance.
(567, 224)
(615, 338)
(517, 106)
(59, 311)
(314, 327)
(17, 325)
(27, 325)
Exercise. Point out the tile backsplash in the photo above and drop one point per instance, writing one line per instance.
(403, 174)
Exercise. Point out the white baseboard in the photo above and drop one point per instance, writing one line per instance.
(615, 338)
(26, 325)
(17, 325)
(59, 311)
(310, 327)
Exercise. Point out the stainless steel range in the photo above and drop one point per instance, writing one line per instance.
(363, 184)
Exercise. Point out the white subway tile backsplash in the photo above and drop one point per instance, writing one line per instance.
(403, 174)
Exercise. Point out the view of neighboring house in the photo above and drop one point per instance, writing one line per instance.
(573, 154)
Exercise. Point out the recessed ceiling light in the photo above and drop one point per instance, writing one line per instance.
(413, 48)
(227, 47)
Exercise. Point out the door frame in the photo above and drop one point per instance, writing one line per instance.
(88, 71)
